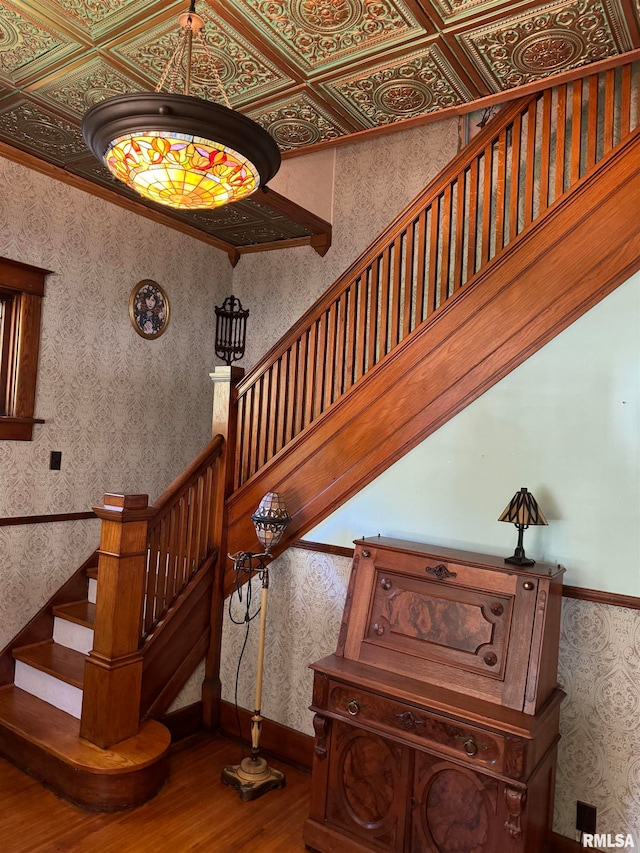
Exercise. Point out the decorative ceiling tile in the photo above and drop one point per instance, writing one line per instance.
(96, 16)
(27, 45)
(299, 121)
(322, 34)
(40, 132)
(231, 215)
(419, 83)
(243, 71)
(79, 90)
(450, 9)
(553, 38)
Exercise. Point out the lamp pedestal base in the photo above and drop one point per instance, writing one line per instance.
(252, 778)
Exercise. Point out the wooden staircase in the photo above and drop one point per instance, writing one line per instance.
(531, 225)
(49, 723)
(512, 243)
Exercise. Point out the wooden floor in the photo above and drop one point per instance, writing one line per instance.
(194, 811)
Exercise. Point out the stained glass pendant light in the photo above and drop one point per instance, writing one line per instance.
(177, 150)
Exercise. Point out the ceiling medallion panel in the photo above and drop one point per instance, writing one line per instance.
(27, 45)
(86, 86)
(530, 47)
(299, 121)
(418, 83)
(320, 34)
(243, 71)
(40, 132)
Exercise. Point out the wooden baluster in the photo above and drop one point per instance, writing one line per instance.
(625, 102)
(113, 669)
(592, 127)
(384, 301)
(460, 214)
(264, 427)
(374, 323)
(530, 164)
(408, 323)
(190, 564)
(501, 179)
(322, 337)
(301, 386)
(290, 393)
(312, 375)
(360, 355)
(445, 246)
(434, 227)
(561, 122)
(576, 131)
(341, 344)
(421, 266)
(330, 355)
(396, 293)
(514, 188)
(609, 109)
(487, 185)
(472, 218)
(545, 152)
(279, 427)
(351, 339)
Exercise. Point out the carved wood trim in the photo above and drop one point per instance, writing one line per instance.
(515, 800)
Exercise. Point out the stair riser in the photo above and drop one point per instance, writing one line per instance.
(93, 589)
(72, 635)
(58, 693)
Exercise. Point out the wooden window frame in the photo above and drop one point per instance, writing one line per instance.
(21, 291)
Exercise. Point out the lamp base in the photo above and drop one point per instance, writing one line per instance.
(519, 560)
(252, 778)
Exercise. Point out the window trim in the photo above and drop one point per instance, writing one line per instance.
(23, 284)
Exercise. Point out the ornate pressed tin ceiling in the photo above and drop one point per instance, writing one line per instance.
(310, 71)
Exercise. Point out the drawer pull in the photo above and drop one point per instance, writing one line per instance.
(497, 609)
(379, 629)
(410, 721)
(353, 707)
(491, 658)
(528, 585)
(470, 746)
(385, 583)
(441, 572)
(366, 553)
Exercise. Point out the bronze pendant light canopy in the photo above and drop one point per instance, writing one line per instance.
(178, 150)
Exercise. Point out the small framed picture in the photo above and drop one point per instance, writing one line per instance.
(148, 309)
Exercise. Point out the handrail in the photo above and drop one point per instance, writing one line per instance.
(523, 162)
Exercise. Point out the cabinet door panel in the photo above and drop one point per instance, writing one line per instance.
(455, 809)
(368, 779)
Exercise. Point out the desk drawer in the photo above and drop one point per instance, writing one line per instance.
(418, 726)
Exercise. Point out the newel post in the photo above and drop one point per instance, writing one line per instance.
(223, 422)
(113, 670)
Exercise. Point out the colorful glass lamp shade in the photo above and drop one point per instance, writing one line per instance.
(523, 511)
(177, 150)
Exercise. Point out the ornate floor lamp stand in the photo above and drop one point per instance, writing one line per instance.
(253, 776)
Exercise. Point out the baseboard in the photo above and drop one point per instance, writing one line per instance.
(561, 844)
(184, 722)
(277, 740)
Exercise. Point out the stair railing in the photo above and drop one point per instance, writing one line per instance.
(148, 557)
(524, 161)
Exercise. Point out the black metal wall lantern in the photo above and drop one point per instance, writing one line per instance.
(231, 330)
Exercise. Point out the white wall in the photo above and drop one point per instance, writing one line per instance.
(565, 424)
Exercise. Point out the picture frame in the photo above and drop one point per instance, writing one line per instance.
(149, 309)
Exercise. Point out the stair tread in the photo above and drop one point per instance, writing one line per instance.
(54, 659)
(59, 733)
(83, 612)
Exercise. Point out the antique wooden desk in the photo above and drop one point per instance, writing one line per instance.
(436, 719)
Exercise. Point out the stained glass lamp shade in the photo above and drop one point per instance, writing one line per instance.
(180, 151)
(523, 511)
(177, 150)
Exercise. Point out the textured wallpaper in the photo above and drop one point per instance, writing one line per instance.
(599, 669)
(128, 414)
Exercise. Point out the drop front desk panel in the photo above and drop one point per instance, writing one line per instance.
(436, 720)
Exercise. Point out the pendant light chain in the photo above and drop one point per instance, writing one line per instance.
(214, 69)
(174, 63)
